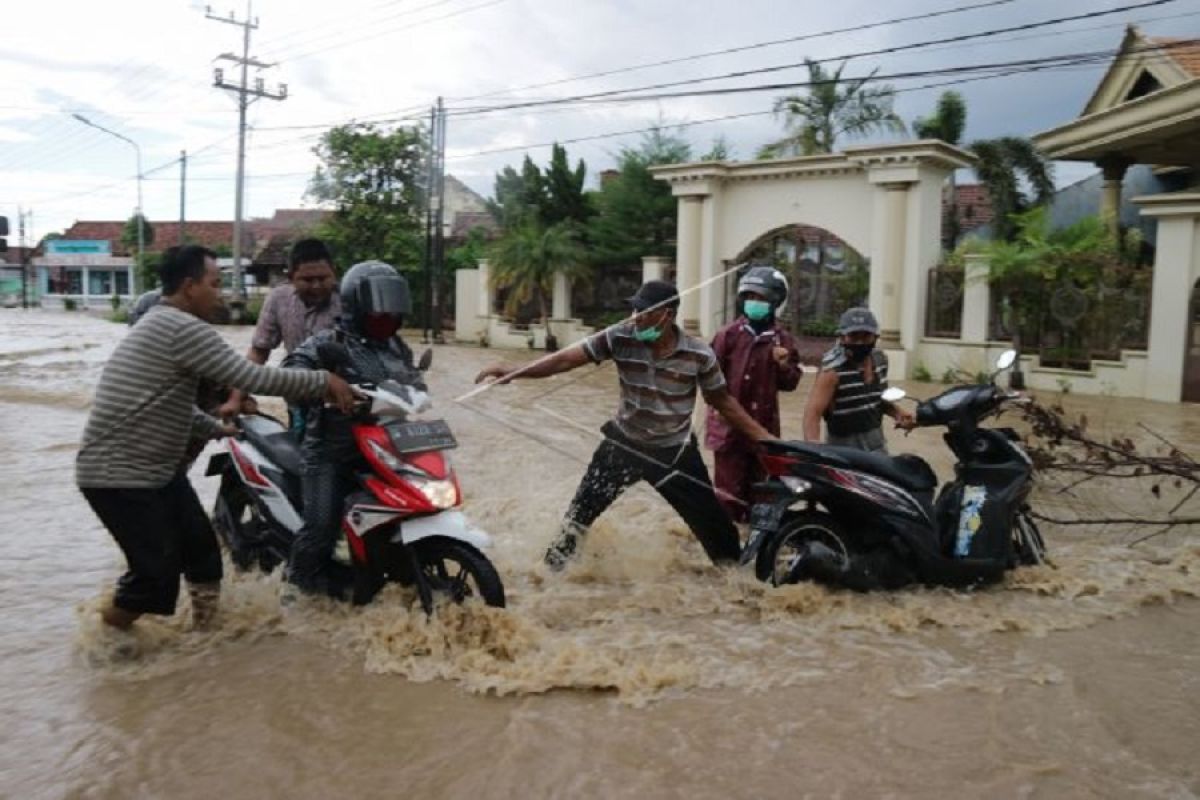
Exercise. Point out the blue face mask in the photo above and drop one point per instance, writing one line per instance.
(756, 309)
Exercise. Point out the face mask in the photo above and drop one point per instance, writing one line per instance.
(756, 309)
(857, 352)
(381, 326)
(647, 335)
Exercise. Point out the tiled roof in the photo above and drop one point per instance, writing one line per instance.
(973, 205)
(1184, 52)
(466, 221)
(166, 234)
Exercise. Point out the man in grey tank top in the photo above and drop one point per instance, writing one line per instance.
(661, 370)
(848, 391)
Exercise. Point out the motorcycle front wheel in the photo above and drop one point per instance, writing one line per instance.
(238, 526)
(458, 571)
(779, 553)
(1027, 539)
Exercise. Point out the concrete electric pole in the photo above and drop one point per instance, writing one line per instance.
(246, 95)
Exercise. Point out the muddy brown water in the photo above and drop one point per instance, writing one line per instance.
(643, 672)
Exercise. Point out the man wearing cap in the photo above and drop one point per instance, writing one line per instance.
(660, 369)
(848, 391)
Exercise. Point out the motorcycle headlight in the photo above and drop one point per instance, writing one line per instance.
(440, 494)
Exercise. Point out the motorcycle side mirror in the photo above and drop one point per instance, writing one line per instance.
(333, 354)
(893, 394)
(426, 360)
(1006, 360)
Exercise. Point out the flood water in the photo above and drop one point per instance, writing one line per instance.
(642, 672)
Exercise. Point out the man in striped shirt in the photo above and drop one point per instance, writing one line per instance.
(660, 369)
(130, 465)
(848, 393)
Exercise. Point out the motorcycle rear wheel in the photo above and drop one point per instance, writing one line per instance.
(456, 569)
(777, 554)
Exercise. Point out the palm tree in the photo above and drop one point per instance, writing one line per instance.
(832, 108)
(1001, 167)
(948, 122)
(526, 259)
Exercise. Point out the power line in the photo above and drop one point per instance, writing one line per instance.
(844, 57)
(742, 48)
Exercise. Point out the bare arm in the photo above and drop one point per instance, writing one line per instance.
(257, 356)
(818, 401)
(729, 408)
(562, 361)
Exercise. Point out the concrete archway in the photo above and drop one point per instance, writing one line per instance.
(884, 201)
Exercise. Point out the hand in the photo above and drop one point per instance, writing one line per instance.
(339, 394)
(231, 407)
(905, 419)
(249, 405)
(780, 354)
(495, 372)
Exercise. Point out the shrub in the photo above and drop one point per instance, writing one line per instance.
(950, 375)
(69, 304)
(120, 315)
(921, 373)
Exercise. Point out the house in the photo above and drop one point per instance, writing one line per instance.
(1141, 127)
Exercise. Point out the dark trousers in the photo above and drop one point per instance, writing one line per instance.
(736, 469)
(678, 474)
(323, 488)
(162, 532)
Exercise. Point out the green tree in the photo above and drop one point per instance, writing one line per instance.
(129, 233)
(636, 213)
(948, 123)
(1005, 166)
(832, 108)
(373, 178)
(565, 200)
(525, 260)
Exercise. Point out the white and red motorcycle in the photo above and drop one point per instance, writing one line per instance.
(402, 523)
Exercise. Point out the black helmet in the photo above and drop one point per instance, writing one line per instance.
(767, 281)
(375, 299)
(857, 320)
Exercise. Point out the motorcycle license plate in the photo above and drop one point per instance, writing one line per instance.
(766, 516)
(417, 437)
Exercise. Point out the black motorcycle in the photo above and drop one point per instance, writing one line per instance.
(866, 521)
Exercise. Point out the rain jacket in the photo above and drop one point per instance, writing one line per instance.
(754, 378)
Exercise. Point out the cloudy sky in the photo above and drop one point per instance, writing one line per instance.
(143, 68)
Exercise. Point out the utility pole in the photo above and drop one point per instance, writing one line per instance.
(24, 257)
(435, 212)
(182, 194)
(246, 95)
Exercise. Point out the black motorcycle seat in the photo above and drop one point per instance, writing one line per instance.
(274, 441)
(910, 471)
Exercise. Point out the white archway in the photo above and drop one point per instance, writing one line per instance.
(885, 201)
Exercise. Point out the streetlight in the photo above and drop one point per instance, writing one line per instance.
(140, 216)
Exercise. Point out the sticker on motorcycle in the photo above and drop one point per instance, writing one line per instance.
(970, 518)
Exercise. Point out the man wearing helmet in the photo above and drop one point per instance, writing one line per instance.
(374, 302)
(848, 391)
(759, 360)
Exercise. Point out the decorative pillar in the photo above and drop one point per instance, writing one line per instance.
(688, 260)
(485, 304)
(977, 298)
(561, 308)
(888, 261)
(1176, 269)
(654, 268)
(1113, 169)
(710, 266)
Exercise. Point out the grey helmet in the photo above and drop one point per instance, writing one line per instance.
(767, 281)
(373, 288)
(855, 320)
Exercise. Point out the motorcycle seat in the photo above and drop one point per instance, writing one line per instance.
(907, 470)
(274, 441)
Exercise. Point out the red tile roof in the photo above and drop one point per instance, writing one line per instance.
(1184, 52)
(973, 205)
